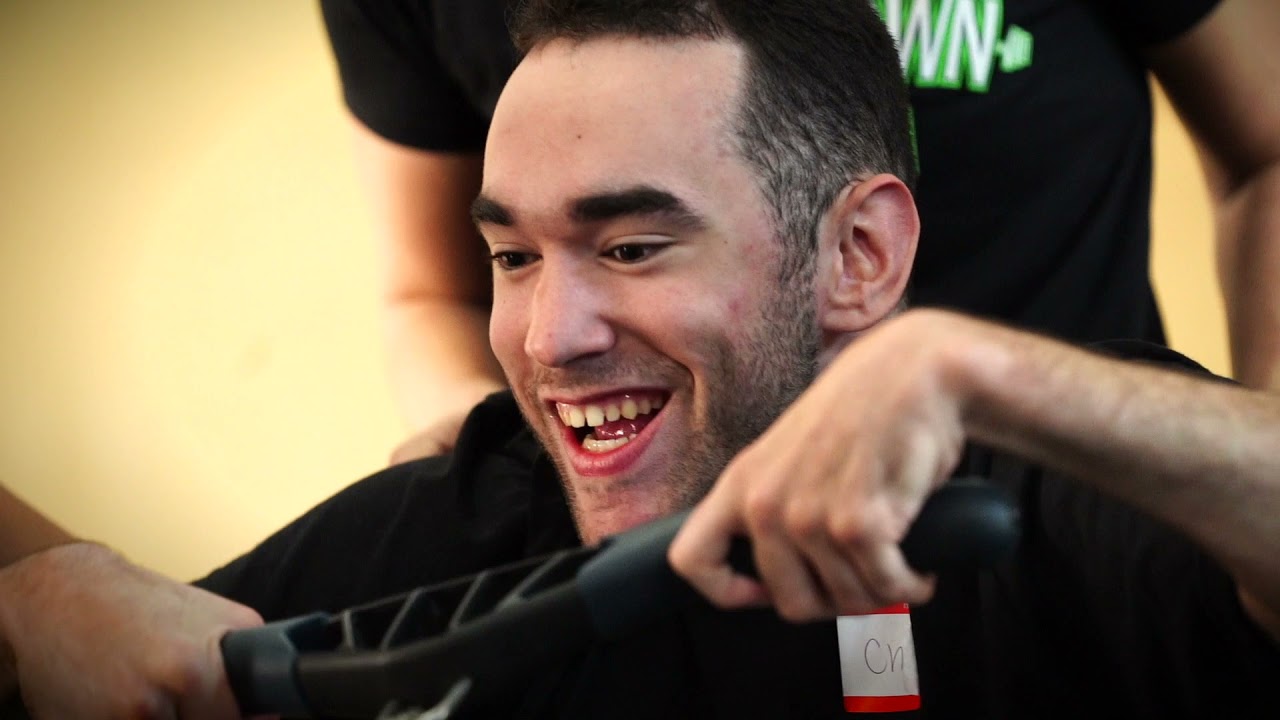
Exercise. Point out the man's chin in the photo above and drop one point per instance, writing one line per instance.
(605, 505)
(597, 524)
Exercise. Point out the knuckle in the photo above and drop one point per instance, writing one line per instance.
(806, 520)
(188, 678)
(847, 528)
(680, 557)
(884, 594)
(888, 588)
(140, 703)
(761, 509)
(181, 669)
(922, 595)
(716, 600)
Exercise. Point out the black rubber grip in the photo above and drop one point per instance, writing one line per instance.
(629, 583)
(968, 524)
(261, 664)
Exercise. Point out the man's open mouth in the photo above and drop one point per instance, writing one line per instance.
(609, 423)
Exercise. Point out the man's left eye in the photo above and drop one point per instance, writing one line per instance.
(632, 253)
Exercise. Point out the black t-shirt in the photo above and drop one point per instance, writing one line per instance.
(1033, 123)
(1035, 160)
(422, 73)
(1100, 608)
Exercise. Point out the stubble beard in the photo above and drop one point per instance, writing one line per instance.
(750, 389)
(748, 386)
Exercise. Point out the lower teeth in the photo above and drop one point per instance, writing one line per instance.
(591, 444)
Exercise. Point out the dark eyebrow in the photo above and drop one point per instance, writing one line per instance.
(488, 210)
(638, 200)
(635, 201)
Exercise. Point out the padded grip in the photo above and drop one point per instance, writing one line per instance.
(261, 665)
(968, 524)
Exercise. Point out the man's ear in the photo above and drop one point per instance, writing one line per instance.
(867, 245)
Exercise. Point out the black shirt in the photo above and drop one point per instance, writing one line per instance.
(1100, 609)
(1033, 125)
(1035, 161)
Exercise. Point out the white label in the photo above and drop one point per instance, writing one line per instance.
(878, 660)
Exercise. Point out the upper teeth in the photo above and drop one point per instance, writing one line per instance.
(595, 414)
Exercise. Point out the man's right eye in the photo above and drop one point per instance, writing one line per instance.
(509, 260)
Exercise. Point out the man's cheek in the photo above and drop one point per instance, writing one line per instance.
(507, 337)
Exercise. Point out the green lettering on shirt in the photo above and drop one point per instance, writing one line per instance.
(955, 43)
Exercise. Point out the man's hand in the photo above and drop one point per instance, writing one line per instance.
(828, 492)
(91, 636)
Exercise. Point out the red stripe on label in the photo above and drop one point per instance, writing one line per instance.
(899, 609)
(891, 703)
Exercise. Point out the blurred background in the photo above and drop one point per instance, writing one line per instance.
(190, 353)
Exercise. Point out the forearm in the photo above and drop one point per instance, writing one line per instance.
(8, 663)
(87, 634)
(24, 531)
(436, 277)
(829, 490)
(16, 583)
(1199, 455)
(1221, 75)
(8, 666)
(1248, 220)
(440, 358)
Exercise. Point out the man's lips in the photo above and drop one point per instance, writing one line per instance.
(607, 434)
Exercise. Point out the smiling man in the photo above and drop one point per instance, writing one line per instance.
(701, 227)
(677, 234)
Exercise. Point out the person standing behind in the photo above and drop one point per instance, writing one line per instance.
(1033, 128)
(421, 80)
(23, 530)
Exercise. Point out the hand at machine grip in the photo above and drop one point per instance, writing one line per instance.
(93, 636)
(829, 491)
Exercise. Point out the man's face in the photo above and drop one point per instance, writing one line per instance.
(637, 311)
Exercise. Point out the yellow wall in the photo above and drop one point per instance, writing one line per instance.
(187, 283)
(190, 350)
(1182, 248)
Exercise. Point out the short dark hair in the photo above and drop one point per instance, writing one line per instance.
(823, 99)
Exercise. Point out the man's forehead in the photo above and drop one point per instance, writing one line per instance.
(582, 54)
(605, 80)
(600, 117)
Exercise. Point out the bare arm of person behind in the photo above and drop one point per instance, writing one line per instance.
(23, 530)
(1224, 79)
(834, 484)
(436, 286)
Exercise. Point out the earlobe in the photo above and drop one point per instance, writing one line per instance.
(868, 246)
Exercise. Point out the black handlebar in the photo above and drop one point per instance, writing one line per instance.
(447, 644)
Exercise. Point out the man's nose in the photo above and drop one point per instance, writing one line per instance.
(568, 320)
